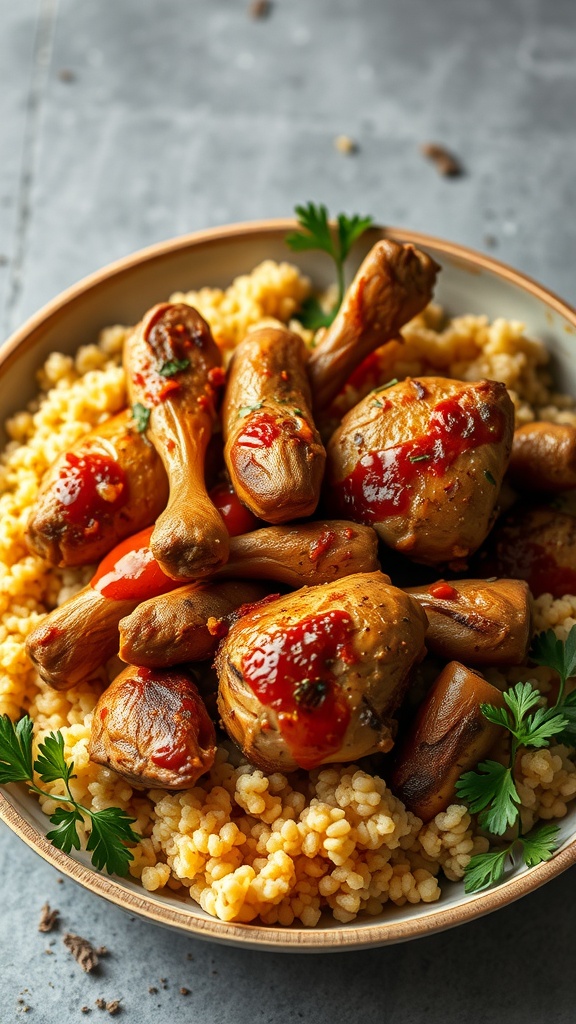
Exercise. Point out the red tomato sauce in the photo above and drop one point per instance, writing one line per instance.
(131, 573)
(261, 431)
(443, 591)
(237, 518)
(90, 486)
(291, 672)
(381, 483)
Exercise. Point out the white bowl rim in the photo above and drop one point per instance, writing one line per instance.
(293, 939)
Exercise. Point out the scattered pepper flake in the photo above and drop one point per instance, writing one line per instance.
(82, 951)
(48, 918)
(446, 163)
(260, 9)
(345, 145)
(184, 991)
(101, 1004)
(113, 1007)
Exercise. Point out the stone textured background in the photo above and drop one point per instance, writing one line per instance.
(127, 121)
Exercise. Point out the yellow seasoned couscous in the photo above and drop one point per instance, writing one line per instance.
(244, 844)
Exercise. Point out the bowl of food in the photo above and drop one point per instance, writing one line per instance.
(288, 584)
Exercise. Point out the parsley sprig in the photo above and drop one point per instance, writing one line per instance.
(491, 790)
(317, 233)
(110, 828)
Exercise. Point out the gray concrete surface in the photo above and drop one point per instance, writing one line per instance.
(127, 121)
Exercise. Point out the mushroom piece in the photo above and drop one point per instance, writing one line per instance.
(423, 461)
(533, 544)
(316, 676)
(174, 627)
(544, 454)
(393, 284)
(109, 485)
(273, 451)
(174, 370)
(151, 726)
(448, 736)
(485, 622)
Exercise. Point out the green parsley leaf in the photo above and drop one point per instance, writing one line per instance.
(313, 316)
(15, 750)
(141, 416)
(538, 729)
(540, 844)
(110, 830)
(245, 410)
(65, 835)
(548, 650)
(174, 366)
(316, 233)
(489, 477)
(51, 763)
(485, 869)
(492, 791)
(350, 229)
(520, 699)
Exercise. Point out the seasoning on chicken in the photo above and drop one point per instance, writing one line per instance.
(485, 622)
(544, 455)
(273, 451)
(316, 676)
(533, 544)
(307, 553)
(423, 461)
(109, 485)
(448, 736)
(174, 372)
(173, 628)
(79, 636)
(393, 284)
(152, 728)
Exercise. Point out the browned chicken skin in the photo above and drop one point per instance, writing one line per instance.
(174, 367)
(423, 461)
(449, 736)
(82, 634)
(109, 485)
(486, 622)
(393, 284)
(173, 628)
(152, 728)
(77, 638)
(273, 451)
(315, 677)
(533, 544)
(544, 456)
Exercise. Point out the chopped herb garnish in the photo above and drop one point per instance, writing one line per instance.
(491, 790)
(141, 416)
(173, 366)
(298, 412)
(316, 233)
(110, 828)
(310, 693)
(418, 458)
(245, 410)
(384, 387)
(489, 477)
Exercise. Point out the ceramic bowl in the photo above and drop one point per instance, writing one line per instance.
(120, 293)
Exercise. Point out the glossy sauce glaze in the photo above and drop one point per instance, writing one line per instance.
(90, 486)
(131, 573)
(291, 672)
(381, 483)
(237, 518)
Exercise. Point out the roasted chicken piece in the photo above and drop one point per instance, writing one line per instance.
(174, 628)
(316, 676)
(273, 451)
(79, 636)
(309, 553)
(486, 622)
(174, 370)
(423, 461)
(544, 456)
(448, 736)
(533, 544)
(393, 284)
(152, 728)
(109, 485)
